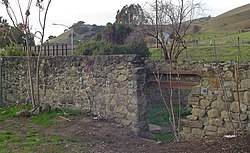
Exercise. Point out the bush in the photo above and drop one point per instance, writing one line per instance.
(102, 47)
(12, 50)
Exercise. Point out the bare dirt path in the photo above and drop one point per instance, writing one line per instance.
(100, 136)
(103, 137)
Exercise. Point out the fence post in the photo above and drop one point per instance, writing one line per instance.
(62, 50)
(56, 50)
(66, 49)
(48, 50)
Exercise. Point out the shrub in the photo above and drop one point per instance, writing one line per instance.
(12, 50)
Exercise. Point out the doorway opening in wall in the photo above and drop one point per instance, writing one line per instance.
(160, 95)
(158, 117)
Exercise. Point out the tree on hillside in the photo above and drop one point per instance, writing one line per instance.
(174, 18)
(20, 17)
(116, 33)
(132, 15)
(115, 38)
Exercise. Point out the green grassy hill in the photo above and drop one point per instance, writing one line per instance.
(82, 33)
(229, 22)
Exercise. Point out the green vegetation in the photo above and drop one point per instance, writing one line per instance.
(11, 50)
(230, 22)
(167, 137)
(44, 119)
(212, 47)
(159, 115)
(25, 138)
(115, 39)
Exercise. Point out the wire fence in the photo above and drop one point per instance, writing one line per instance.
(212, 53)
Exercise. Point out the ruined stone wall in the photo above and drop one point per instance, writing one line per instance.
(153, 92)
(220, 104)
(112, 87)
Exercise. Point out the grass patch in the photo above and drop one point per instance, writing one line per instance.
(163, 137)
(46, 119)
(158, 114)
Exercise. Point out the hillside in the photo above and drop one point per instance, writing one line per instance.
(82, 33)
(229, 22)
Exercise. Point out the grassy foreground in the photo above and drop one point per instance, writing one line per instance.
(25, 135)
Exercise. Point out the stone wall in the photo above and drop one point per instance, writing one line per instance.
(112, 87)
(219, 103)
(153, 92)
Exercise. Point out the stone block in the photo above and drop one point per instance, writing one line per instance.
(210, 133)
(192, 117)
(218, 122)
(237, 116)
(186, 130)
(205, 83)
(225, 114)
(222, 130)
(236, 97)
(228, 75)
(219, 105)
(234, 107)
(194, 100)
(248, 127)
(197, 131)
(198, 112)
(126, 122)
(122, 78)
(213, 113)
(214, 82)
(192, 124)
(205, 103)
(211, 128)
(245, 84)
(246, 98)
(229, 85)
(196, 90)
(248, 74)
(231, 125)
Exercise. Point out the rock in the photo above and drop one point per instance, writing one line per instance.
(196, 131)
(196, 90)
(198, 112)
(122, 78)
(225, 114)
(246, 98)
(219, 105)
(222, 130)
(234, 107)
(210, 128)
(192, 124)
(154, 128)
(205, 103)
(192, 117)
(230, 85)
(45, 107)
(245, 84)
(213, 113)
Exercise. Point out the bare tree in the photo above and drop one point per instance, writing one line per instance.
(21, 20)
(168, 21)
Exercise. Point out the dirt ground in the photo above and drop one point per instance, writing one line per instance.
(100, 136)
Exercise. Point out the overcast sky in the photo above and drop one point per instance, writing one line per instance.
(100, 12)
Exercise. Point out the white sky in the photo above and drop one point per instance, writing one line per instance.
(100, 12)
